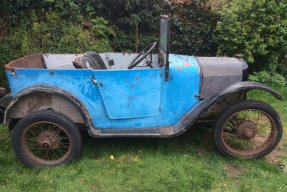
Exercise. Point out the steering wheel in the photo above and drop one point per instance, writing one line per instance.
(142, 55)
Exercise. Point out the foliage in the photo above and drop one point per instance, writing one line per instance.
(54, 35)
(193, 24)
(256, 29)
(136, 22)
(19, 12)
(272, 79)
(135, 26)
(57, 35)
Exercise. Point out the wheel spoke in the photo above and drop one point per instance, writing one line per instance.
(47, 143)
(247, 131)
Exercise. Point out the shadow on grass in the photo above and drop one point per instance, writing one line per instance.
(198, 139)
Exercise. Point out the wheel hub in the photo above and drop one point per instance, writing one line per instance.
(246, 130)
(49, 140)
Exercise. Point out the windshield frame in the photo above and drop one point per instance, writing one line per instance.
(164, 43)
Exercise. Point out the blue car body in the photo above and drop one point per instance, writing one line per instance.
(139, 98)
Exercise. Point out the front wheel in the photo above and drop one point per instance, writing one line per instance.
(248, 129)
(46, 138)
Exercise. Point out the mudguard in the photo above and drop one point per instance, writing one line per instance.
(195, 113)
(53, 90)
(247, 86)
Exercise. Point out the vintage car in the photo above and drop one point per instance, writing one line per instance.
(54, 96)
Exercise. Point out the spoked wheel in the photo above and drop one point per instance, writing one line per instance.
(46, 138)
(248, 129)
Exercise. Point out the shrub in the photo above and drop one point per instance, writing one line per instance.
(192, 29)
(256, 29)
(272, 79)
(137, 24)
(53, 34)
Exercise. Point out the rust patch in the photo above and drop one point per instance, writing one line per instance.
(32, 106)
(36, 101)
(186, 65)
(46, 90)
(32, 61)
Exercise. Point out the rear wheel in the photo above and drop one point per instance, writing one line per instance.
(248, 129)
(46, 138)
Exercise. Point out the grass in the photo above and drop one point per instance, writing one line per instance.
(189, 162)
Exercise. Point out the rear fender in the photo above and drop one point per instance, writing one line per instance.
(38, 98)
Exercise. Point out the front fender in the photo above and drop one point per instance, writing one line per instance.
(248, 86)
(191, 117)
(235, 88)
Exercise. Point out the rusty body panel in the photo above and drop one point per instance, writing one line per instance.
(217, 73)
(96, 88)
(32, 61)
(212, 112)
(40, 101)
(32, 99)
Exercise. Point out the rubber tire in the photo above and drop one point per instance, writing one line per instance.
(86, 62)
(50, 116)
(248, 104)
(97, 59)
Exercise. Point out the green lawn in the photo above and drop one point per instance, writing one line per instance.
(189, 162)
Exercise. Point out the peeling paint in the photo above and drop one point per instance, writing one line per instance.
(135, 111)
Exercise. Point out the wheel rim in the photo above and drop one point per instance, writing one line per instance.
(248, 132)
(46, 143)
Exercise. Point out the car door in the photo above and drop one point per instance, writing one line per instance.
(130, 93)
